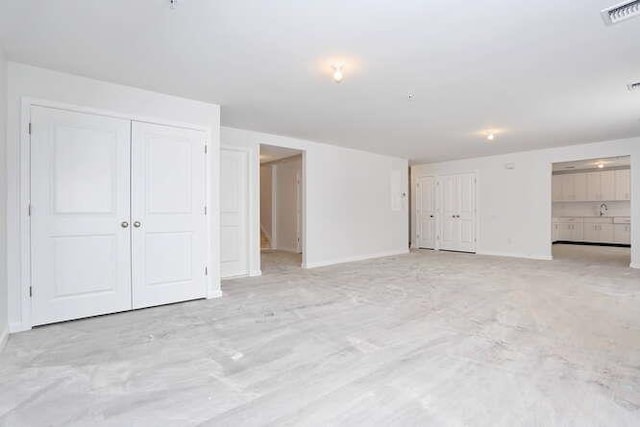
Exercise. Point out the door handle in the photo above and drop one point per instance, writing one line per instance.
(137, 224)
(431, 216)
(124, 224)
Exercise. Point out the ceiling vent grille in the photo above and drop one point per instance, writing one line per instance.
(621, 12)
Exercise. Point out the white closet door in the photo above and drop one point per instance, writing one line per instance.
(233, 213)
(450, 188)
(426, 209)
(169, 243)
(467, 212)
(80, 235)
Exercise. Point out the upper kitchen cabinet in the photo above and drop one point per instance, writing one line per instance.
(623, 184)
(600, 186)
(569, 187)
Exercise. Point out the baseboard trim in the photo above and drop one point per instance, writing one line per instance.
(15, 327)
(571, 242)
(512, 255)
(634, 265)
(255, 273)
(4, 337)
(354, 258)
(214, 294)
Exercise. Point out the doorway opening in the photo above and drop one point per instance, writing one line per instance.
(281, 208)
(591, 211)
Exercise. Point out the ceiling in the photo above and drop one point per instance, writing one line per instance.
(269, 153)
(609, 162)
(539, 73)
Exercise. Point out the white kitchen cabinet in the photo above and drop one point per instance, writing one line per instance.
(555, 232)
(598, 230)
(598, 233)
(591, 233)
(622, 233)
(572, 187)
(607, 185)
(569, 229)
(622, 184)
(601, 186)
(598, 186)
(556, 183)
(579, 186)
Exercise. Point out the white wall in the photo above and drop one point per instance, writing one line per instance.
(514, 205)
(346, 200)
(28, 81)
(4, 304)
(266, 204)
(285, 234)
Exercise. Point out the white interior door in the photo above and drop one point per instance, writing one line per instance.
(466, 215)
(233, 213)
(450, 203)
(426, 210)
(168, 214)
(458, 212)
(80, 232)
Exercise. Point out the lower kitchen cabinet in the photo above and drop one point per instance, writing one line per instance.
(622, 233)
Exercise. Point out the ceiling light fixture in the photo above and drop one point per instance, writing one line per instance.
(491, 137)
(621, 12)
(337, 73)
(600, 165)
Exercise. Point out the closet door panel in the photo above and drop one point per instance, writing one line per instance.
(466, 211)
(450, 188)
(169, 242)
(427, 215)
(80, 240)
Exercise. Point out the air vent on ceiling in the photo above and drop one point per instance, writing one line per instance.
(633, 86)
(621, 12)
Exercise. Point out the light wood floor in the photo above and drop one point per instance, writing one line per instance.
(425, 339)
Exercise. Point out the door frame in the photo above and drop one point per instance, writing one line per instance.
(302, 225)
(24, 174)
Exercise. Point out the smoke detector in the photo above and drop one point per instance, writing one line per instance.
(633, 86)
(621, 12)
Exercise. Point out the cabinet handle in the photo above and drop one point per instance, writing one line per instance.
(137, 224)
(124, 224)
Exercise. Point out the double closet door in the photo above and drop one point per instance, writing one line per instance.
(446, 212)
(117, 213)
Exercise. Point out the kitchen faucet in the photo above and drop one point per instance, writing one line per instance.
(603, 209)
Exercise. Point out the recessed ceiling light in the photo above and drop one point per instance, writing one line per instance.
(491, 137)
(600, 165)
